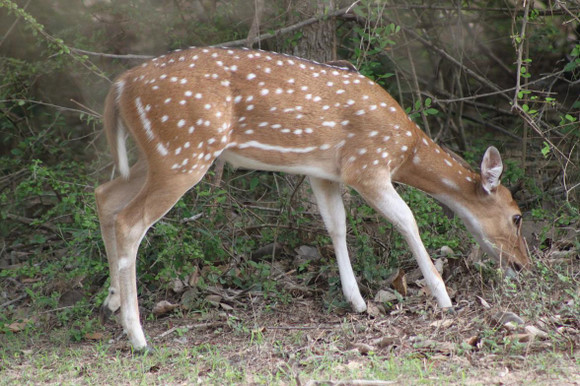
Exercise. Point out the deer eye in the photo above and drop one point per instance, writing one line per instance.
(517, 219)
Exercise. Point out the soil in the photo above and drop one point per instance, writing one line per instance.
(488, 341)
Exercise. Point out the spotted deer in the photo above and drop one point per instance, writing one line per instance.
(273, 112)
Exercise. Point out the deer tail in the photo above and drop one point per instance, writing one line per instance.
(115, 131)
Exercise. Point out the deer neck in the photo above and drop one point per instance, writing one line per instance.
(442, 176)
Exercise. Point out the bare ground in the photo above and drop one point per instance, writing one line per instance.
(506, 333)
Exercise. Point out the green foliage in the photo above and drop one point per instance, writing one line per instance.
(52, 156)
(375, 264)
(60, 230)
(421, 107)
(437, 230)
(574, 63)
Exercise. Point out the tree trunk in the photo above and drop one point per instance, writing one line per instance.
(318, 41)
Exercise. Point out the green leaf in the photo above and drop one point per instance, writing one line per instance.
(546, 149)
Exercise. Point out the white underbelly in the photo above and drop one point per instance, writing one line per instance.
(325, 171)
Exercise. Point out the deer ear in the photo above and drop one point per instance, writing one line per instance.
(491, 169)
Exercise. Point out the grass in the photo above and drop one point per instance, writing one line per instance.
(293, 344)
(208, 364)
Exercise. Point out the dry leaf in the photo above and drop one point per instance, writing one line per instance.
(439, 264)
(520, 337)
(193, 278)
(504, 372)
(259, 330)
(384, 341)
(536, 332)
(94, 336)
(16, 326)
(443, 323)
(400, 283)
(483, 302)
(363, 348)
(373, 310)
(433, 345)
(472, 341)
(164, 307)
(28, 280)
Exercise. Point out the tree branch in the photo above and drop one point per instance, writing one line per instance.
(520, 51)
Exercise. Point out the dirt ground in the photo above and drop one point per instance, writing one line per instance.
(502, 332)
(481, 342)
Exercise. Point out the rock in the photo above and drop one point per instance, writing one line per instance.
(177, 286)
(164, 307)
(213, 299)
(189, 299)
(268, 250)
(385, 341)
(510, 326)
(385, 296)
(70, 298)
(308, 252)
(505, 317)
(446, 251)
(440, 264)
(536, 332)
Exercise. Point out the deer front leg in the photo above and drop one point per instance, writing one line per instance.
(381, 194)
(331, 208)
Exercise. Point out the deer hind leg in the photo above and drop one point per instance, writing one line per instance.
(156, 198)
(331, 208)
(381, 194)
(127, 209)
(111, 198)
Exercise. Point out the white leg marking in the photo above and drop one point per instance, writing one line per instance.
(128, 285)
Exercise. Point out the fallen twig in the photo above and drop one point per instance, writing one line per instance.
(187, 328)
(13, 301)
